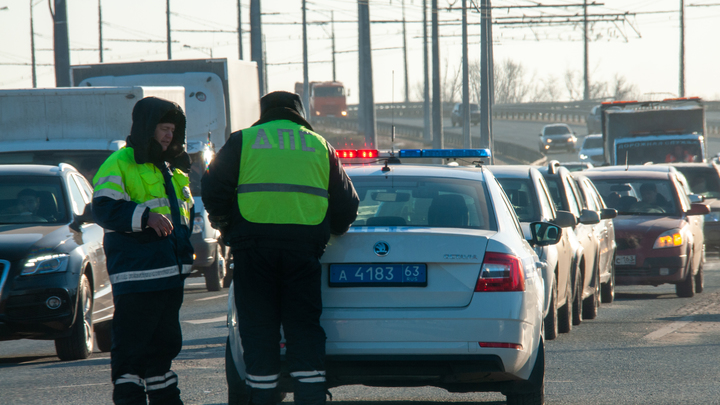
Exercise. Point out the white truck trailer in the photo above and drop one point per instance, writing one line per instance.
(221, 97)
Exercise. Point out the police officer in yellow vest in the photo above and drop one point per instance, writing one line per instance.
(277, 191)
(143, 201)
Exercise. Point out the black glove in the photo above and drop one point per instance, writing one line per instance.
(219, 222)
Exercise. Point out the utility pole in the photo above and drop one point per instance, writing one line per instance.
(486, 77)
(427, 135)
(467, 141)
(367, 101)
(306, 79)
(240, 52)
(32, 46)
(61, 45)
(405, 55)
(332, 19)
(437, 124)
(586, 78)
(169, 40)
(256, 39)
(681, 91)
(100, 37)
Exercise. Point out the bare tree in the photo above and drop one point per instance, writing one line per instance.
(547, 90)
(622, 90)
(451, 85)
(511, 85)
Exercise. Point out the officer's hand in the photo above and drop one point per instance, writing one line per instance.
(160, 224)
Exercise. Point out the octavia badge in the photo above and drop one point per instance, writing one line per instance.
(381, 248)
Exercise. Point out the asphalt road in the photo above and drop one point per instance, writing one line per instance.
(648, 347)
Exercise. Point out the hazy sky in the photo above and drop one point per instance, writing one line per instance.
(644, 49)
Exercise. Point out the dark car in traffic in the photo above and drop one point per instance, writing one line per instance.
(53, 277)
(657, 240)
(557, 137)
(456, 115)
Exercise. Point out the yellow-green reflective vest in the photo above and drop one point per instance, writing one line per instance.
(120, 178)
(284, 174)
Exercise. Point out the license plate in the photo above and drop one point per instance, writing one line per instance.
(625, 260)
(378, 275)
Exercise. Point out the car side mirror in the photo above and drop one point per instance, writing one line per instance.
(589, 217)
(699, 209)
(608, 213)
(696, 198)
(545, 233)
(565, 219)
(84, 218)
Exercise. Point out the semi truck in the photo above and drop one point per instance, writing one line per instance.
(327, 99)
(639, 132)
(221, 97)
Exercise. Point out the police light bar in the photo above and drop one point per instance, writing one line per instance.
(356, 153)
(445, 153)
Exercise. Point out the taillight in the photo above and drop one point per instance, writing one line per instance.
(500, 272)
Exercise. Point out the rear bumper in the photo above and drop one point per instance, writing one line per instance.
(654, 271)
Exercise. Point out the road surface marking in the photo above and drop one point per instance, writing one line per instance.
(210, 320)
(669, 328)
(211, 298)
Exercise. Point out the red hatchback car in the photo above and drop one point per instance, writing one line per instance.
(658, 240)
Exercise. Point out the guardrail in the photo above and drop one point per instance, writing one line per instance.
(574, 112)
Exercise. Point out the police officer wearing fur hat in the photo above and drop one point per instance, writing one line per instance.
(143, 201)
(276, 191)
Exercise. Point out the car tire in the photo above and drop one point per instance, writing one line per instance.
(79, 345)
(607, 293)
(592, 303)
(699, 280)
(577, 300)
(215, 273)
(533, 392)
(103, 336)
(685, 288)
(551, 319)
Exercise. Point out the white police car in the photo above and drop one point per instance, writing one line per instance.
(434, 284)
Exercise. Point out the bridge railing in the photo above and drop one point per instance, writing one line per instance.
(574, 112)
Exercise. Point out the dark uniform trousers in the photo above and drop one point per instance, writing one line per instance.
(146, 337)
(278, 282)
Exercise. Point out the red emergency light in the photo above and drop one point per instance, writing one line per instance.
(345, 153)
(361, 153)
(682, 99)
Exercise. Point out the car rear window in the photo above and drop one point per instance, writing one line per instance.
(32, 200)
(629, 197)
(424, 202)
(522, 197)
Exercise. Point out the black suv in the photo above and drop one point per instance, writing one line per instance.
(457, 112)
(53, 277)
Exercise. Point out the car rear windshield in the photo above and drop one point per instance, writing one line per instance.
(522, 196)
(557, 130)
(638, 196)
(702, 180)
(32, 200)
(592, 143)
(424, 202)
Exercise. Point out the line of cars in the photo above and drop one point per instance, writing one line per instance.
(455, 275)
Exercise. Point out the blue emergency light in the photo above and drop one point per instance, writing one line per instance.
(445, 153)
